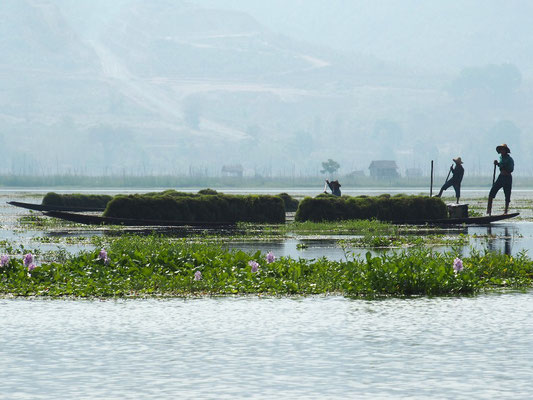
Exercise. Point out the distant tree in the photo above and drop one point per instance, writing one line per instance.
(330, 166)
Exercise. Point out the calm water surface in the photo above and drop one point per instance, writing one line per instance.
(319, 347)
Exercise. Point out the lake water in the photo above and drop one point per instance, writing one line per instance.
(265, 348)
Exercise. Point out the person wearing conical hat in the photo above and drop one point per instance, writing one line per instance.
(456, 179)
(505, 179)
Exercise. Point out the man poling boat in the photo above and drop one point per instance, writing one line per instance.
(505, 179)
(456, 179)
(335, 187)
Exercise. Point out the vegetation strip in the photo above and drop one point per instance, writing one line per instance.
(154, 266)
(383, 208)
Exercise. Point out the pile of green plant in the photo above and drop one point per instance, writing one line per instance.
(291, 204)
(77, 200)
(198, 208)
(382, 208)
(140, 266)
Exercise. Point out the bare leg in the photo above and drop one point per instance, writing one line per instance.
(440, 194)
(506, 207)
(489, 206)
(457, 200)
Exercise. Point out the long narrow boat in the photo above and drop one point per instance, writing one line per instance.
(42, 207)
(460, 221)
(99, 220)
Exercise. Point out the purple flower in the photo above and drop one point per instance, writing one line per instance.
(197, 276)
(254, 265)
(457, 265)
(103, 256)
(31, 267)
(4, 260)
(270, 257)
(28, 259)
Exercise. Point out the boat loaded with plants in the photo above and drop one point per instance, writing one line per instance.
(208, 207)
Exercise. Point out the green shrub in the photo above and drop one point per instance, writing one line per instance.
(208, 191)
(291, 204)
(383, 208)
(198, 208)
(77, 200)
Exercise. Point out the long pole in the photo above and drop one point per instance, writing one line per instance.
(431, 187)
(449, 172)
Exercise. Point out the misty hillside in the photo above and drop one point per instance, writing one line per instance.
(173, 86)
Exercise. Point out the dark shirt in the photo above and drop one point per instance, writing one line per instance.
(506, 164)
(458, 173)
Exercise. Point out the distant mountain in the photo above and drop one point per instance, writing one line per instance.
(168, 85)
(34, 35)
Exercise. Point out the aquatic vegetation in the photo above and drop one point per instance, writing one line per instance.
(198, 208)
(4, 260)
(77, 200)
(154, 266)
(291, 204)
(458, 265)
(383, 208)
(270, 257)
(254, 265)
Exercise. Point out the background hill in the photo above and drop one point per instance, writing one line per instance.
(186, 87)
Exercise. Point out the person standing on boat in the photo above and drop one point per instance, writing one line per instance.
(455, 180)
(505, 179)
(335, 187)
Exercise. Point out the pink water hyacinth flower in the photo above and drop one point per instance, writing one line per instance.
(4, 260)
(270, 257)
(457, 265)
(197, 276)
(28, 259)
(102, 255)
(31, 267)
(254, 265)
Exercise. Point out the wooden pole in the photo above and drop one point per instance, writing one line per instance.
(431, 187)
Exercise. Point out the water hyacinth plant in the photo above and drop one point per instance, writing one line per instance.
(28, 259)
(155, 266)
(103, 256)
(4, 260)
(270, 257)
(254, 265)
(457, 265)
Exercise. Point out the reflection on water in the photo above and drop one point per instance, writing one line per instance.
(319, 347)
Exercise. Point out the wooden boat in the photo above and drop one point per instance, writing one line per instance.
(41, 207)
(99, 220)
(460, 221)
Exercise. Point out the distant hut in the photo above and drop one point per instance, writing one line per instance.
(383, 169)
(235, 170)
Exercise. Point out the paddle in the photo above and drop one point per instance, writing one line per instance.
(494, 174)
(325, 187)
(449, 172)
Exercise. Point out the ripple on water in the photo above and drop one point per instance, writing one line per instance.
(250, 347)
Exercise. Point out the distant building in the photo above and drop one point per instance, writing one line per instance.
(235, 170)
(383, 169)
(413, 172)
